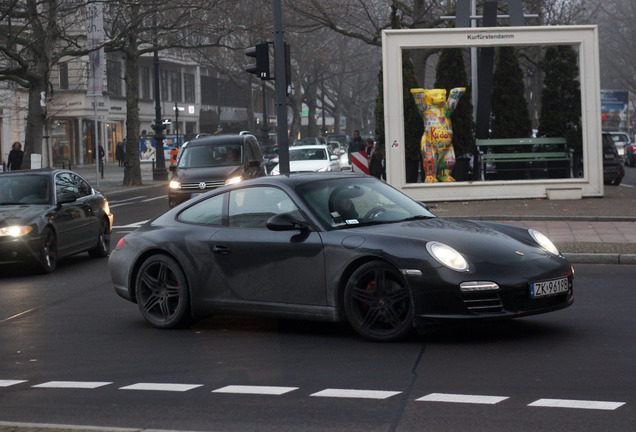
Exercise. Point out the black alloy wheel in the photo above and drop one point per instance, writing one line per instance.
(377, 303)
(103, 241)
(48, 251)
(162, 292)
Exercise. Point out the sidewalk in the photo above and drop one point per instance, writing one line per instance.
(590, 230)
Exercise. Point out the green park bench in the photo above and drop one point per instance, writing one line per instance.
(541, 150)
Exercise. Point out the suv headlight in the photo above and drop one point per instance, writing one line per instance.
(233, 180)
(174, 184)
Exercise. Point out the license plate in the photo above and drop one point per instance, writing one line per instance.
(548, 288)
(195, 194)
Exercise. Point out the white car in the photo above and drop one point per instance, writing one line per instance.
(311, 158)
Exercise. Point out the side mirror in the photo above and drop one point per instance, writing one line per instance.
(254, 164)
(286, 222)
(172, 168)
(66, 197)
(333, 157)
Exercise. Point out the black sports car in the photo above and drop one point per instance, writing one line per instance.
(49, 213)
(334, 246)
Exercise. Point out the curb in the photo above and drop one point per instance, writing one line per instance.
(600, 258)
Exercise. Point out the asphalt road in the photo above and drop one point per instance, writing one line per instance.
(73, 353)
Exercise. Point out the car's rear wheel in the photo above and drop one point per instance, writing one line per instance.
(103, 241)
(162, 292)
(48, 251)
(377, 302)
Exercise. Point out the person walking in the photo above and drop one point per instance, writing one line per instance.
(355, 145)
(15, 157)
(101, 160)
(120, 154)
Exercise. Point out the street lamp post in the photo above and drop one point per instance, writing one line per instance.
(159, 172)
(176, 121)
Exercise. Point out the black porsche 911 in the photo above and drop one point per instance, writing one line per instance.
(50, 213)
(334, 247)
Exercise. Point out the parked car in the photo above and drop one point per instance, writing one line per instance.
(630, 154)
(314, 158)
(47, 214)
(621, 140)
(613, 170)
(209, 162)
(341, 138)
(334, 247)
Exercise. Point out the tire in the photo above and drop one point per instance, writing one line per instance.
(377, 303)
(47, 255)
(162, 295)
(103, 241)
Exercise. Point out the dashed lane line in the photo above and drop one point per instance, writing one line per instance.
(461, 398)
(326, 393)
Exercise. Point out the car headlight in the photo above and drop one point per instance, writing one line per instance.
(544, 242)
(447, 256)
(233, 180)
(174, 184)
(15, 231)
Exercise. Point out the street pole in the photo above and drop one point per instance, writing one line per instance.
(176, 123)
(281, 87)
(159, 172)
(265, 127)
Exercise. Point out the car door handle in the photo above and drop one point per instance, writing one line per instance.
(221, 249)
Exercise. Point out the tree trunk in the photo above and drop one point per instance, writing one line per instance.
(35, 119)
(132, 169)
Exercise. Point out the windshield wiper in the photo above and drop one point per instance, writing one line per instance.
(414, 218)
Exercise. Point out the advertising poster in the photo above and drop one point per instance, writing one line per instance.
(615, 110)
(148, 148)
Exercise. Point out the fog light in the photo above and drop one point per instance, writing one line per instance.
(478, 286)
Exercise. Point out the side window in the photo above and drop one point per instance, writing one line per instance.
(84, 189)
(64, 183)
(208, 212)
(252, 207)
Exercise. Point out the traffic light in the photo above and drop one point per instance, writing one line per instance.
(261, 67)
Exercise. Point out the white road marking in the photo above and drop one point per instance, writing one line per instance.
(72, 384)
(127, 199)
(161, 387)
(155, 198)
(356, 394)
(580, 404)
(8, 383)
(460, 398)
(132, 225)
(257, 390)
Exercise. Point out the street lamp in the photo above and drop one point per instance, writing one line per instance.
(176, 109)
(159, 172)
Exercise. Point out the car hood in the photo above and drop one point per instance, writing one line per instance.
(477, 241)
(10, 214)
(207, 173)
(307, 165)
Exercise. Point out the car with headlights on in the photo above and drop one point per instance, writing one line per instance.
(334, 247)
(209, 162)
(47, 214)
(311, 158)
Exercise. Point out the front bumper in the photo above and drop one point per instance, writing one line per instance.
(20, 249)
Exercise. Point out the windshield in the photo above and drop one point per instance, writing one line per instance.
(359, 201)
(308, 154)
(211, 156)
(24, 189)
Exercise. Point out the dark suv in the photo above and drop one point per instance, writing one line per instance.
(613, 170)
(209, 162)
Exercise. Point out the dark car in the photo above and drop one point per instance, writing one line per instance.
(613, 170)
(50, 213)
(334, 246)
(212, 161)
(630, 154)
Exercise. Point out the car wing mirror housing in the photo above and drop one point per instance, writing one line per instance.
(286, 222)
(66, 197)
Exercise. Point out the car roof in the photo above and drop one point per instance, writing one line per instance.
(219, 140)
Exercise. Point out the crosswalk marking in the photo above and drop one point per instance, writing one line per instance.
(259, 390)
(72, 384)
(356, 394)
(580, 404)
(461, 398)
(161, 387)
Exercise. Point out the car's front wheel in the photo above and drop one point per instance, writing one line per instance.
(162, 292)
(48, 251)
(102, 249)
(377, 302)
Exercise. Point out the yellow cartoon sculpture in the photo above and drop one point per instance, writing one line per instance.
(437, 142)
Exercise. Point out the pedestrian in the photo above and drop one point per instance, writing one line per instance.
(120, 154)
(101, 160)
(355, 145)
(15, 157)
